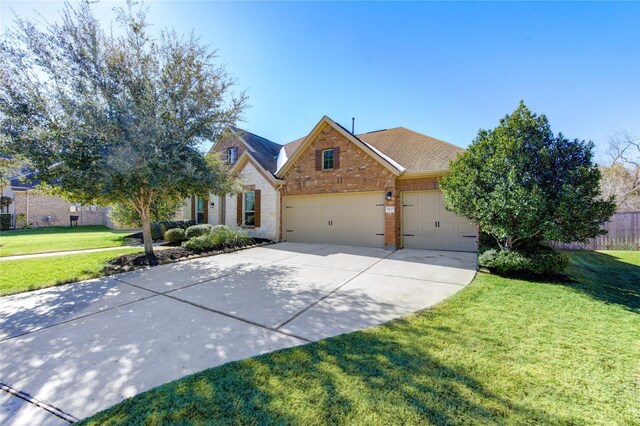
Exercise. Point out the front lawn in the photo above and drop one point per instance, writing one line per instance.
(30, 274)
(47, 240)
(501, 351)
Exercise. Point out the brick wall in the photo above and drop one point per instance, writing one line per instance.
(421, 184)
(230, 142)
(57, 208)
(358, 170)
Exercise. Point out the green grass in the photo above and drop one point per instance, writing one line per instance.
(507, 351)
(21, 275)
(47, 240)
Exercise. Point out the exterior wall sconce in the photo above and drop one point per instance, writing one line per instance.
(389, 196)
(211, 204)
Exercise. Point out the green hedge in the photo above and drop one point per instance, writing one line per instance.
(5, 221)
(159, 229)
(541, 259)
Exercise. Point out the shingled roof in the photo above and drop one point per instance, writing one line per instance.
(292, 146)
(263, 150)
(412, 150)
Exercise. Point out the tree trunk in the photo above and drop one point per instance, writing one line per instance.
(145, 217)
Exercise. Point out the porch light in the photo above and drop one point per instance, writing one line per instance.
(389, 195)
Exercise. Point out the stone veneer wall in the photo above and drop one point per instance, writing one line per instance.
(269, 205)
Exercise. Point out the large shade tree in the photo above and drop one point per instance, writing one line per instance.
(115, 116)
(522, 184)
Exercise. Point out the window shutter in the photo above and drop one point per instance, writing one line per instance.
(257, 209)
(318, 159)
(239, 220)
(336, 157)
(206, 210)
(193, 207)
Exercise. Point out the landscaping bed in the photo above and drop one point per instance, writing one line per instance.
(173, 252)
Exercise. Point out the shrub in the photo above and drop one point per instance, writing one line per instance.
(175, 235)
(198, 230)
(537, 260)
(5, 221)
(159, 229)
(220, 236)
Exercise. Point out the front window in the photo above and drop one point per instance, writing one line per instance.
(249, 211)
(231, 155)
(327, 159)
(200, 210)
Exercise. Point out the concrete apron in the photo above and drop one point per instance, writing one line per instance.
(84, 347)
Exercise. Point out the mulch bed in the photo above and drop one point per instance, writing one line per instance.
(170, 253)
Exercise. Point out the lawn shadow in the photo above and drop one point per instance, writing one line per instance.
(365, 377)
(602, 276)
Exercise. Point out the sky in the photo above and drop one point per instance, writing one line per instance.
(445, 69)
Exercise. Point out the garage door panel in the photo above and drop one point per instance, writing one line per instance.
(427, 224)
(351, 219)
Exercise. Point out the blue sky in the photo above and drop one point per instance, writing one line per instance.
(443, 69)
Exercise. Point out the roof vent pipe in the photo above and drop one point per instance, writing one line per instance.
(353, 125)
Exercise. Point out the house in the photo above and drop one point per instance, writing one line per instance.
(377, 189)
(28, 206)
(257, 208)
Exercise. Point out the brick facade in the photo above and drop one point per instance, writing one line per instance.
(358, 171)
(46, 210)
(229, 142)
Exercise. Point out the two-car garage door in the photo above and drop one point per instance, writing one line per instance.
(358, 219)
(349, 219)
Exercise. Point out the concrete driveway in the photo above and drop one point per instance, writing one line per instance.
(83, 347)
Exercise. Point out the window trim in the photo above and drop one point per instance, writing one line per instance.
(332, 159)
(245, 211)
(232, 156)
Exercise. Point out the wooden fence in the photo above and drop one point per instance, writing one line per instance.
(624, 234)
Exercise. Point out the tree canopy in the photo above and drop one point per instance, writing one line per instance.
(115, 116)
(520, 183)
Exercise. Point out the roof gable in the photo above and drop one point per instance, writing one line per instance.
(297, 147)
(247, 158)
(264, 151)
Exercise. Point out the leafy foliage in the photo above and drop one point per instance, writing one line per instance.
(198, 230)
(5, 221)
(160, 210)
(175, 235)
(544, 260)
(519, 182)
(159, 229)
(115, 117)
(217, 237)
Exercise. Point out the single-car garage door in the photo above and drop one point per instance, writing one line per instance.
(351, 219)
(426, 224)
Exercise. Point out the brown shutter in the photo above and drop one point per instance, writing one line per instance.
(257, 208)
(336, 157)
(318, 159)
(239, 210)
(193, 208)
(206, 210)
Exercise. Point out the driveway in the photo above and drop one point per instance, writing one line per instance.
(83, 347)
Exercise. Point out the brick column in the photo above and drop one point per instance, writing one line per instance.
(392, 219)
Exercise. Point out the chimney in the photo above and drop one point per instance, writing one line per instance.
(353, 125)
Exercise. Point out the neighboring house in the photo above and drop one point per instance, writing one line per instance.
(376, 189)
(30, 207)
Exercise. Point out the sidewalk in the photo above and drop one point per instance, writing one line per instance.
(63, 253)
